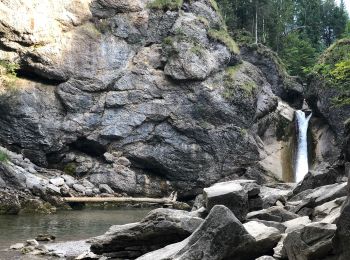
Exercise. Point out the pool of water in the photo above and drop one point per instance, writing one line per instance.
(65, 225)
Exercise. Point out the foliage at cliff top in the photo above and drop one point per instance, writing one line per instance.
(8, 74)
(165, 4)
(334, 67)
(224, 37)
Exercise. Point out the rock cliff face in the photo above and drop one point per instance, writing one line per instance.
(143, 97)
(323, 93)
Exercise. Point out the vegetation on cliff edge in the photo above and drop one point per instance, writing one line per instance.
(165, 4)
(334, 67)
(8, 74)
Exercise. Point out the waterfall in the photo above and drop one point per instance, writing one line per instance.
(301, 162)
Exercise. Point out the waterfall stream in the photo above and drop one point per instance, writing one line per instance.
(301, 162)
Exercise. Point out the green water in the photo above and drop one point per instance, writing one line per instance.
(65, 225)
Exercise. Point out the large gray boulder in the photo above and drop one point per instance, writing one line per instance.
(311, 198)
(323, 175)
(314, 241)
(230, 194)
(158, 229)
(342, 237)
(220, 236)
(328, 212)
(271, 195)
(265, 237)
(296, 223)
(275, 213)
(9, 203)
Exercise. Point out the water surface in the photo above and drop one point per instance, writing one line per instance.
(65, 225)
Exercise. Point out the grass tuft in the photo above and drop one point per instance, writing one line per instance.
(224, 37)
(165, 4)
(3, 157)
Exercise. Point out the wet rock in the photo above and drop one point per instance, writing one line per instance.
(158, 229)
(276, 213)
(314, 241)
(88, 256)
(220, 225)
(230, 194)
(32, 242)
(37, 206)
(17, 246)
(70, 249)
(45, 237)
(27, 249)
(9, 203)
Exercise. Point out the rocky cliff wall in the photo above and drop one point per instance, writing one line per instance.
(163, 87)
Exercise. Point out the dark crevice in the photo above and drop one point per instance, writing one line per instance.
(32, 76)
(151, 166)
(89, 147)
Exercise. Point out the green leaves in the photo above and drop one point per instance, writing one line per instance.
(297, 54)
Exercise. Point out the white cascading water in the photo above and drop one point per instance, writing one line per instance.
(301, 162)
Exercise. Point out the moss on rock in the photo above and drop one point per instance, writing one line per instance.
(333, 67)
(32, 206)
(224, 37)
(165, 4)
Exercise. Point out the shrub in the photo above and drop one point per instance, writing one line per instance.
(70, 169)
(165, 4)
(8, 75)
(334, 68)
(214, 5)
(224, 37)
(3, 157)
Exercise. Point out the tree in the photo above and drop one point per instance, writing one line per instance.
(334, 19)
(309, 24)
(346, 33)
(298, 53)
